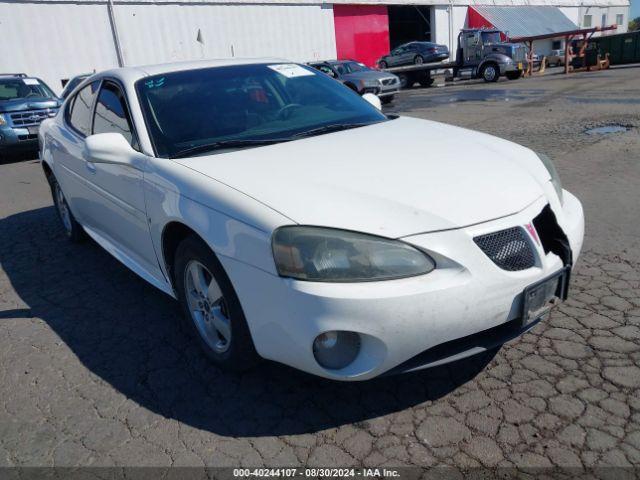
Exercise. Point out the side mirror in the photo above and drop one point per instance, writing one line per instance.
(373, 100)
(111, 148)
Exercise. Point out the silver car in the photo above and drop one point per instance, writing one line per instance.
(361, 78)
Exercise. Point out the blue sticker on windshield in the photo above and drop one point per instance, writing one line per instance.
(158, 82)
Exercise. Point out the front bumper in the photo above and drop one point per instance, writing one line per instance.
(384, 90)
(400, 319)
(15, 137)
(513, 67)
(388, 93)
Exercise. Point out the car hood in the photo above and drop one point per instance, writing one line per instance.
(394, 179)
(32, 103)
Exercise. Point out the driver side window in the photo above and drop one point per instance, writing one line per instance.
(327, 70)
(79, 116)
(111, 114)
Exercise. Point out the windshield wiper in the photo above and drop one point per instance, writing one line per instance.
(208, 147)
(336, 127)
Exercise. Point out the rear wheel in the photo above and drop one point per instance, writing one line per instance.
(212, 311)
(382, 64)
(490, 72)
(426, 81)
(72, 229)
(404, 80)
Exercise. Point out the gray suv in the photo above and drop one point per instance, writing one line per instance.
(24, 103)
(361, 78)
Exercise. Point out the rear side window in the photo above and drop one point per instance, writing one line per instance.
(80, 113)
(112, 115)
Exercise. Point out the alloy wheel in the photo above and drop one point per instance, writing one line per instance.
(489, 73)
(207, 306)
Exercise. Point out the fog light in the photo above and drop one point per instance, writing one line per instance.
(336, 349)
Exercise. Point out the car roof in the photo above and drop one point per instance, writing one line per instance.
(338, 62)
(132, 74)
(13, 75)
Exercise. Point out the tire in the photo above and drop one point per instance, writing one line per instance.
(426, 82)
(513, 75)
(490, 73)
(418, 60)
(212, 314)
(72, 229)
(404, 81)
(387, 100)
(382, 64)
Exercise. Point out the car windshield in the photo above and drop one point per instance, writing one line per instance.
(352, 67)
(189, 110)
(16, 88)
(491, 37)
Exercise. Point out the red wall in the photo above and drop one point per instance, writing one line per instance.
(475, 20)
(362, 32)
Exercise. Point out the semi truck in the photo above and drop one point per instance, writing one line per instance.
(481, 53)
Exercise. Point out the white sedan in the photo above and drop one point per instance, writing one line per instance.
(296, 222)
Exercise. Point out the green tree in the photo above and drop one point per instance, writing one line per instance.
(634, 24)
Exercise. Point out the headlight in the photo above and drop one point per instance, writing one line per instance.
(329, 255)
(3, 121)
(555, 178)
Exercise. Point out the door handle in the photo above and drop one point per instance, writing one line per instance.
(91, 167)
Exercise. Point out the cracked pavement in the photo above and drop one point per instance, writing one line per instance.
(95, 371)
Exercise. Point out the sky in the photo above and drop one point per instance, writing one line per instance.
(635, 8)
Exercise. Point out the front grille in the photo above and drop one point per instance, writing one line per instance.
(509, 249)
(30, 136)
(31, 117)
(388, 81)
(519, 54)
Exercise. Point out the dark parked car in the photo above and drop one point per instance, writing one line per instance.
(414, 53)
(361, 78)
(73, 83)
(24, 103)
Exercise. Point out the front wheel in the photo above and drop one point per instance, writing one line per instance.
(212, 310)
(72, 229)
(490, 73)
(418, 60)
(515, 75)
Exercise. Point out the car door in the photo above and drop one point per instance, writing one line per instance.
(394, 58)
(67, 151)
(409, 54)
(118, 211)
(400, 55)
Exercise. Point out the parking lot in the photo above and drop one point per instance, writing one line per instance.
(94, 369)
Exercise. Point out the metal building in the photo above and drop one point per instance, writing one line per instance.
(56, 39)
